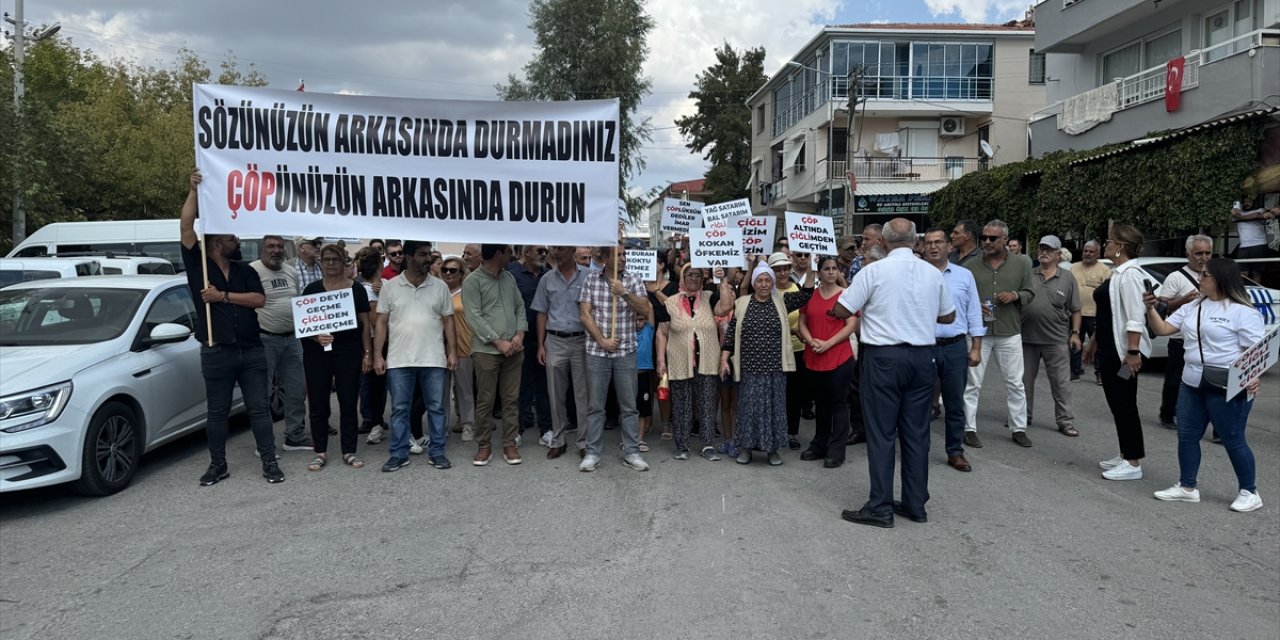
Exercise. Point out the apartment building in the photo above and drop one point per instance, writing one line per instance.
(692, 190)
(932, 103)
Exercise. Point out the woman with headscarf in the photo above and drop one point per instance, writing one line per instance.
(758, 344)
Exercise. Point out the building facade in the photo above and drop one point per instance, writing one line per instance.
(1107, 66)
(932, 103)
(692, 190)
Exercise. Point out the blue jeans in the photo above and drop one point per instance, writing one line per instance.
(953, 373)
(623, 372)
(223, 367)
(402, 381)
(1196, 409)
(284, 359)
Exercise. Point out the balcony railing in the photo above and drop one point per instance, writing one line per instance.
(901, 169)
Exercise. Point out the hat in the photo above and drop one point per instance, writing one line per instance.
(1051, 241)
(305, 240)
(779, 259)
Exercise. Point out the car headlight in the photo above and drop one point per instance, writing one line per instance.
(39, 406)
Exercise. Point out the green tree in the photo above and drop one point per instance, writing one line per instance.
(721, 128)
(587, 50)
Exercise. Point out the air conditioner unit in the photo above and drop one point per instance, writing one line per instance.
(951, 126)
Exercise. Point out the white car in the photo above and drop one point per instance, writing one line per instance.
(15, 270)
(134, 265)
(1267, 301)
(95, 372)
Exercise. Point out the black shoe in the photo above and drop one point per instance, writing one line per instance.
(808, 414)
(862, 516)
(971, 440)
(394, 464)
(832, 464)
(1168, 423)
(271, 471)
(793, 444)
(214, 474)
(809, 455)
(365, 427)
(934, 414)
(857, 438)
(297, 445)
(440, 462)
(900, 510)
(1075, 377)
(333, 431)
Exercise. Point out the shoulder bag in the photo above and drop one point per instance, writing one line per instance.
(1211, 378)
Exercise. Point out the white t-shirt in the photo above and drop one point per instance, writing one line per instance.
(1252, 232)
(415, 325)
(901, 298)
(1176, 286)
(279, 286)
(1228, 329)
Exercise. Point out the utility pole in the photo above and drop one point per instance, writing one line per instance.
(19, 90)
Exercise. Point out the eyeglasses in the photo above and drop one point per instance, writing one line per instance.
(991, 238)
(394, 254)
(448, 271)
(800, 255)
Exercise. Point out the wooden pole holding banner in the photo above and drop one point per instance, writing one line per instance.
(204, 273)
(613, 306)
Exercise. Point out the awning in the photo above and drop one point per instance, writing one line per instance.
(1173, 135)
(902, 187)
(796, 151)
(755, 172)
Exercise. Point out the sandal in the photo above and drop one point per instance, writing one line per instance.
(1068, 431)
(352, 461)
(666, 435)
(318, 463)
(644, 448)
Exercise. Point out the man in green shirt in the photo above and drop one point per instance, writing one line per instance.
(1004, 286)
(495, 311)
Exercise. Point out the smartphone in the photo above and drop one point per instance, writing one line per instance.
(1125, 372)
(1151, 286)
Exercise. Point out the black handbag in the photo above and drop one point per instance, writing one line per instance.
(1211, 378)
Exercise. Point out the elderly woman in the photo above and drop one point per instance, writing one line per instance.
(758, 343)
(335, 361)
(462, 379)
(1121, 346)
(1219, 327)
(688, 350)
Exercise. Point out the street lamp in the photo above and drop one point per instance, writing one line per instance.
(19, 53)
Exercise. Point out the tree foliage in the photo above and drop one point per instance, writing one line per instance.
(99, 140)
(721, 128)
(1166, 189)
(589, 50)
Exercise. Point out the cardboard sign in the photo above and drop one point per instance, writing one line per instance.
(1253, 362)
(812, 233)
(757, 233)
(328, 312)
(679, 216)
(719, 215)
(711, 248)
(644, 263)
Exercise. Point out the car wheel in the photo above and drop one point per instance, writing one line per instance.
(275, 401)
(111, 451)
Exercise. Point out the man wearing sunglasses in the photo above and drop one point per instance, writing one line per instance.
(528, 269)
(1179, 288)
(395, 260)
(1004, 286)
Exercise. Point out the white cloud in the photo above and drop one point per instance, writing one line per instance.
(978, 10)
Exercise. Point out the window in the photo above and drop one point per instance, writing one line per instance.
(951, 71)
(173, 306)
(1122, 62)
(1035, 68)
(760, 119)
(795, 157)
(1234, 20)
(1162, 48)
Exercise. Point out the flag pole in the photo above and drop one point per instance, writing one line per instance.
(204, 272)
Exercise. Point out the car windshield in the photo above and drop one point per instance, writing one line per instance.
(65, 315)
(8, 277)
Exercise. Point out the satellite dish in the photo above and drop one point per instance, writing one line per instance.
(986, 149)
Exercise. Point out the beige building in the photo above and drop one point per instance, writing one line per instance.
(938, 101)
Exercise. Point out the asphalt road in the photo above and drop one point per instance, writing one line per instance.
(1032, 544)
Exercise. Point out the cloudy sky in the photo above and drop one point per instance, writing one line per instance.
(459, 50)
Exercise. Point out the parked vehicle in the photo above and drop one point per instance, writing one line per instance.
(13, 271)
(95, 372)
(158, 238)
(113, 265)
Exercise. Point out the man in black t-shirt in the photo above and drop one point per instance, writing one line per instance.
(236, 355)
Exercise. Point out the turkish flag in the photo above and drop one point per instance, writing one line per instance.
(853, 181)
(1173, 83)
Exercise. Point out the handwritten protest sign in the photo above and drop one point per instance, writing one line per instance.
(680, 215)
(757, 233)
(1253, 362)
(292, 163)
(811, 233)
(719, 215)
(644, 263)
(719, 247)
(327, 312)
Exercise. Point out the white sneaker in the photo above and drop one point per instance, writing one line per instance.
(415, 446)
(1246, 501)
(1111, 464)
(636, 462)
(376, 434)
(1179, 493)
(589, 463)
(545, 440)
(468, 433)
(518, 439)
(1123, 471)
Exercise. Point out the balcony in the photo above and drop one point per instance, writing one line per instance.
(900, 169)
(1231, 73)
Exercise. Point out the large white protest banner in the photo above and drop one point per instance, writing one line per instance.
(718, 247)
(644, 263)
(811, 233)
(291, 163)
(327, 312)
(1253, 362)
(718, 215)
(679, 216)
(757, 233)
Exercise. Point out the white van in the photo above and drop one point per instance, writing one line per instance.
(13, 271)
(157, 238)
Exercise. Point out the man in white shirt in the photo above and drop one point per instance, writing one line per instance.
(306, 264)
(284, 352)
(902, 300)
(1179, 288)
